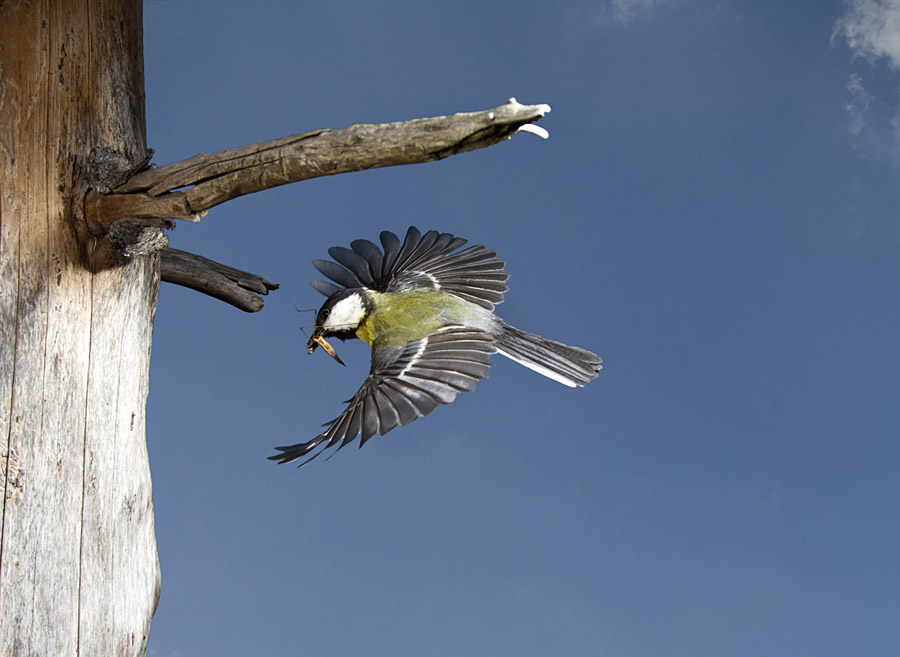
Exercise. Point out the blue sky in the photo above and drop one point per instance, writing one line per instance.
(716, 213)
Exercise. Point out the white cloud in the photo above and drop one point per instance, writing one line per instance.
(872, 29)
(620, 13)
(859, 103)
(616, 13)
(625, 11)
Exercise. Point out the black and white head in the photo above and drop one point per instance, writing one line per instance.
(341, 315)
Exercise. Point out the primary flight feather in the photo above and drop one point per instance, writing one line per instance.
(426, 309)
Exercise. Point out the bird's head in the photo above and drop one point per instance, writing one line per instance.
(339, 317)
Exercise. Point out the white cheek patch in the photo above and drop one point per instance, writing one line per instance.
(346, 313)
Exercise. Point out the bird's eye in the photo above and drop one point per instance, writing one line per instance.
(324, 312)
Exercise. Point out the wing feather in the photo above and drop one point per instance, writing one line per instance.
(406, 409)
(410, 242)
(405, 383)
(429, 260)
(371, 420)
(340, 275)
(371, 253)
(324, 287)
(391, 244)
(354, 262)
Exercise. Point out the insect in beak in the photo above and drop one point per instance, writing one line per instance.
(319, 341)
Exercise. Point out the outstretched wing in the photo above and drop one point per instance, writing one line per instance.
(405, 383)
(428, 261)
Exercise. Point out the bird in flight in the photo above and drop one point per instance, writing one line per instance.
(426, 309)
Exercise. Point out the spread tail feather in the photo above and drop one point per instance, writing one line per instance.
(570, 366)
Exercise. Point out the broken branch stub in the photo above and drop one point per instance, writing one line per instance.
(239, 288)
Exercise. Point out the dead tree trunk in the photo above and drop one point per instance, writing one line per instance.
(78, 568)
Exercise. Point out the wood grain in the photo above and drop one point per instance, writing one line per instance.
(214, 178)
(79, 573)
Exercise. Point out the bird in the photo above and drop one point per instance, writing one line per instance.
(425, 307)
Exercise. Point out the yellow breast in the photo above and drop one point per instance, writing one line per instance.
(401, 317)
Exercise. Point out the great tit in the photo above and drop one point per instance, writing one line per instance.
(426, 311)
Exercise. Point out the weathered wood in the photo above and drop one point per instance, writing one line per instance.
(234, 286)
(78, 567)
(218, 177)
(137, 206)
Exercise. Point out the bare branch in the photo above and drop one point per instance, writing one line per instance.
(214, 178)
(239, 288)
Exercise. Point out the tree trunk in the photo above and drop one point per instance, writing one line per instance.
(78, 567)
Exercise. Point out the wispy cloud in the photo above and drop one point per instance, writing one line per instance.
(625, 11)
(858, 104)
(871, 29)
(612, 14)
(617, 13)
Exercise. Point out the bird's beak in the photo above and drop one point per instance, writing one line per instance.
(318, 341)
